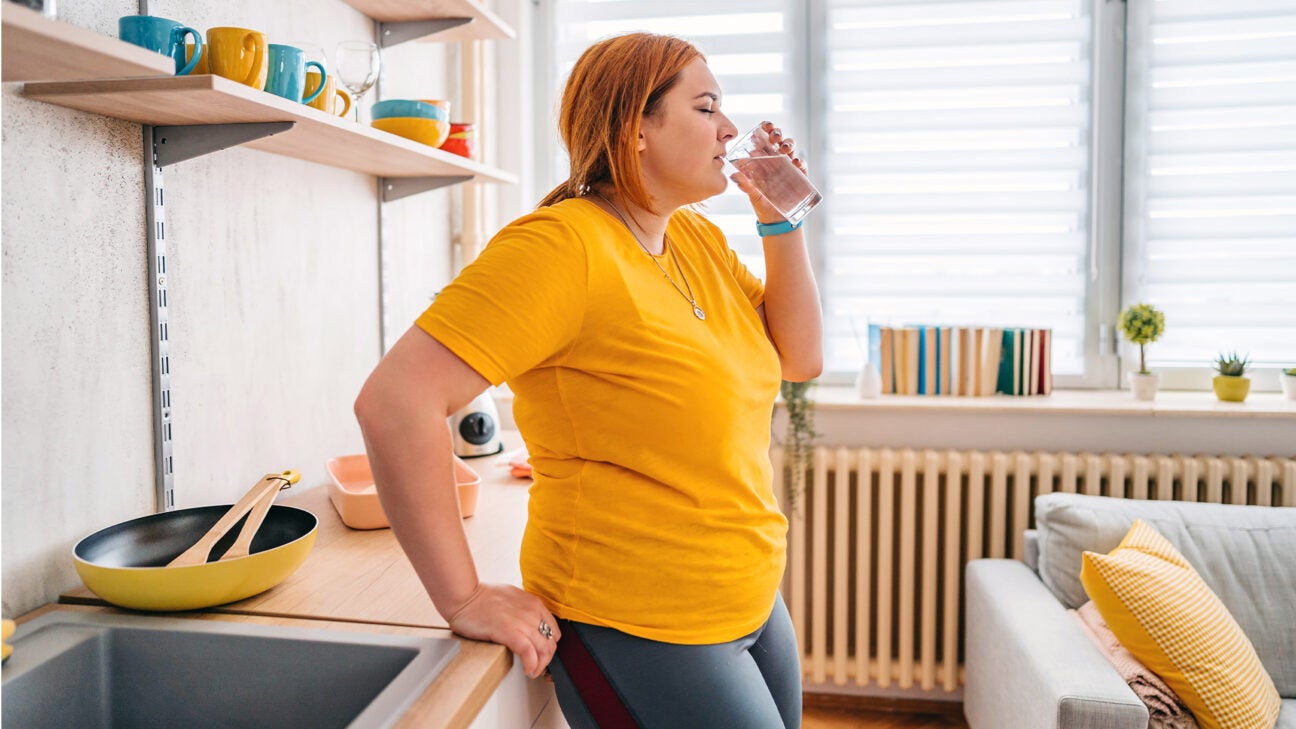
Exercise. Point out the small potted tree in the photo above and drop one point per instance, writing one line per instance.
(1288, 379)
(1231, 384)
(1142, 324)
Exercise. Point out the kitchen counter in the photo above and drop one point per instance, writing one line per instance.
(363, 576)
(361, 580)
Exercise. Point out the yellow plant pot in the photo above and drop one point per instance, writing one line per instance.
(1231, 389)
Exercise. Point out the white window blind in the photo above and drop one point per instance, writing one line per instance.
(957, 167)
(1210, 210)
(750, 46)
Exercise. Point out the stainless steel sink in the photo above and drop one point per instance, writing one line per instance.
(75, 669)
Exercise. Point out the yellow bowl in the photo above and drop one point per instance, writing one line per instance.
(431, 132)
(125, 564)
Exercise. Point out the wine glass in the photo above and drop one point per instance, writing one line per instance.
(358, 63)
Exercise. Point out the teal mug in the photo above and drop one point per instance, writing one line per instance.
(162, 36)
(287, 76)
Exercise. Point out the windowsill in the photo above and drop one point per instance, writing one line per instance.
(1179, 403)
(1088, 402)
(1095, 421)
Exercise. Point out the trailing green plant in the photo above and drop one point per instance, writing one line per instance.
(1230, 365)
(1142, 324)
(798, 441)
(1290, 371)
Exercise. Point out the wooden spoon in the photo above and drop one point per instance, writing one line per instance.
(267, 486)
(242, 546)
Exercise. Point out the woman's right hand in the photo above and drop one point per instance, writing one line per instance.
(513, 618)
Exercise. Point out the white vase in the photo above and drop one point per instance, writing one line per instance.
(868, 383)
(1288, 385)
(1144, 386)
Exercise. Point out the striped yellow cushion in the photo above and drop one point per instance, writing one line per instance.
(1163, 612)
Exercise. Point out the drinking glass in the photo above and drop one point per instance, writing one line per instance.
(358, 64)
(772, 172)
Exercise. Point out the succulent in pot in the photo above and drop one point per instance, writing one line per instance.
(1231, 384)
(1288, 380)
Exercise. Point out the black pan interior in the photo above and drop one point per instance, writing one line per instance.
(155, 540)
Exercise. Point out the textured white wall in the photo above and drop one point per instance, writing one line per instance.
(274, 304)
(416, 270)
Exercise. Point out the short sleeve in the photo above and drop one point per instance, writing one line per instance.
(519, 304)
(751, 286)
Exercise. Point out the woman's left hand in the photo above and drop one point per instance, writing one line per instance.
(777, 144)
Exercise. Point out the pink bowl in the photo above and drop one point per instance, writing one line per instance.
(355, 496)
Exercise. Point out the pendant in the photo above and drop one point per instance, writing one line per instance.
(697, 311)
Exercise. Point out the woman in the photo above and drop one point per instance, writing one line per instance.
(645, 360)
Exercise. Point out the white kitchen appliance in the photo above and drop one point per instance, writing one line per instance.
(475, 428)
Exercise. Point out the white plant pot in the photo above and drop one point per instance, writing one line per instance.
(868, 383)
(1143, 386)
(1288, 385)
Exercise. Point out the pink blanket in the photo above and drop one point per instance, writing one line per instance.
(1165, 710)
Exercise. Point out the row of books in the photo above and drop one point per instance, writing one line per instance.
(962, 361)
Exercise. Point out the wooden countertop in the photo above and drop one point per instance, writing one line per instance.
(361, 580)
(363, 576)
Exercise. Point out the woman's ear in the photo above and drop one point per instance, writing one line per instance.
(642, 144)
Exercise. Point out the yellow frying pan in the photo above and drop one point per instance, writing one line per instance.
(127, 564)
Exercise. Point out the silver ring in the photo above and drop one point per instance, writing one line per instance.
(545, 630)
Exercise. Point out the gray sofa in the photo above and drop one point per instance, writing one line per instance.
(1030, 666)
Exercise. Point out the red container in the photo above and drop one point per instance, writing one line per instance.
(462, 140)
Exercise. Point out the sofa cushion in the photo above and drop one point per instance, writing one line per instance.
(1244, 553)
(1287, 717)
(1162, 611)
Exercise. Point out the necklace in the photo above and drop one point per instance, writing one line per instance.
(697, 310)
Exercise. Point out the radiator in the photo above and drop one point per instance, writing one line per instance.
(879, 538)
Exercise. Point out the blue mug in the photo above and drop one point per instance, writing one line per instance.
(162, 36)
(287, 76)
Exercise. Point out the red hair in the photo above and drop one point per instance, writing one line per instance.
(613, 86)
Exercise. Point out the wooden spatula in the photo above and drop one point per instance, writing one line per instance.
(242, 546)
(266, 487)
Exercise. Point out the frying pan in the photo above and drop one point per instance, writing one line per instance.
(125, 564)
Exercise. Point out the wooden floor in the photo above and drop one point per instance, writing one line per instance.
(815, 717)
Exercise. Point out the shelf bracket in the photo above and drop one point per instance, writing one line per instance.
(155, 215)
(390, 34)
(179, 143)
(395, 188)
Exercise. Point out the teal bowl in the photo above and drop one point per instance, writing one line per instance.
(407, 108)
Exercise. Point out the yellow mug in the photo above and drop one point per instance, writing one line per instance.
(239, 54)
(201, 69)
(327, 100)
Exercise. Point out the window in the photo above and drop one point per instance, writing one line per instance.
(1210, 210)
(971, 158)
(957, 148)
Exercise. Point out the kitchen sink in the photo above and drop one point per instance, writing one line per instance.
(85, 670)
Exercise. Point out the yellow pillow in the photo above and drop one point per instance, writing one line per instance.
(1163, 612)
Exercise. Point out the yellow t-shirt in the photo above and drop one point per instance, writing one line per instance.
(652, 510)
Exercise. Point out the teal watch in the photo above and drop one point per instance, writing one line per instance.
(767, 229)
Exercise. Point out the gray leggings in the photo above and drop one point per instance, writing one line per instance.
(606, 679)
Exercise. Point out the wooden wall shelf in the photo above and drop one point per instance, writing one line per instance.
(37, 48)
(316, 136)
(485, 25)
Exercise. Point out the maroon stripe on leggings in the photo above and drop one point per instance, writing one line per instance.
(600, 698)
